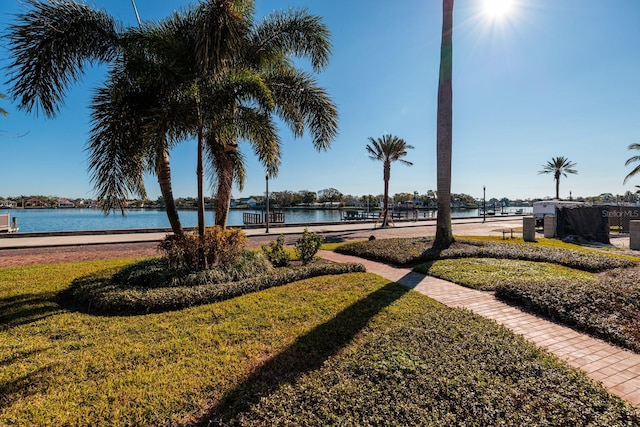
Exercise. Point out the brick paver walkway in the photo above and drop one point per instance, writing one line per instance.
(617, 369)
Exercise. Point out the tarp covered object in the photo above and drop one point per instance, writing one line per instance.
(619, 216)
(591, 223)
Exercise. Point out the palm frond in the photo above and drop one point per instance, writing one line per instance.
(631, 160)
(118, 152)
(2, 110)
(294, 32)
(258, 128)
(219, 34)
(388, 148)
(302, 103)
(558, 166)
(51, 44)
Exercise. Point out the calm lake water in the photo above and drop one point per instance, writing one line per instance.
(42, 220)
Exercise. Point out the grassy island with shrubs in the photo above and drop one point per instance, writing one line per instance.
(277, 337)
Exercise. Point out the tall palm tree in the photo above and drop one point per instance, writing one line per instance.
(633, 159)
(558, 166)
(51, 45)
(444, 233)
(388, 149)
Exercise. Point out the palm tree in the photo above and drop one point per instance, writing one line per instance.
(51, 45)
(444, 233)
(558, 166)
(205, 72)
(631, 160)
(298, 100)
(129, 137)
(387, 149)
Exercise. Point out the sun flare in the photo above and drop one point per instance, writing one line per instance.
(497, 8)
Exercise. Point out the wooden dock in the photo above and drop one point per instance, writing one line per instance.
(5, 224)
(251, 218)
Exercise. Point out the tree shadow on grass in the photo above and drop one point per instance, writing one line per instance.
(306, 354)
(26, 308)
(21, 387)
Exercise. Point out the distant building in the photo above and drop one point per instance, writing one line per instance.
(86, 203)
(35, 203)
(248, 201)
(331, 204)
(8, 204)
(65, 203)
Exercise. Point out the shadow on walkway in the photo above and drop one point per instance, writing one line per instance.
(306, 354)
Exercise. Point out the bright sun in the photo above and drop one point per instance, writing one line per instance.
(497, 8)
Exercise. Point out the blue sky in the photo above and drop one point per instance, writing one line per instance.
(550, 78)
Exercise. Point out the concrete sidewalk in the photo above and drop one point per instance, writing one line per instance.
(617, 369)
(350, 230)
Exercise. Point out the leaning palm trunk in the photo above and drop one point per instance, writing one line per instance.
(225, 168)
(444, 234)
(163, 170)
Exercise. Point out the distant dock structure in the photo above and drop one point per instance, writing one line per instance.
(6, 225)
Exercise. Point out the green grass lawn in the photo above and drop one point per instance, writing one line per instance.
(488, 273)
(352, 349)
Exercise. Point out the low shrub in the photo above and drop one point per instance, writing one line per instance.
(308, 245)
(608, 308)
(186, 253)
(105, 292)
(399, 251)
(276, 253)
(414, 250)
(155, 273)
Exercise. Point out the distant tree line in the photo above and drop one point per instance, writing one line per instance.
(287, 198)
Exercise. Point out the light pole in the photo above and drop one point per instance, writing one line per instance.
(135, 9)
(484, 203)
(266, 177)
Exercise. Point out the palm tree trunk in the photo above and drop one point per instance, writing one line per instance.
(385, 198)
(202, 262)
(224, 166)
(558, 188)
(163, 171)
(444, 233)
(200, 177)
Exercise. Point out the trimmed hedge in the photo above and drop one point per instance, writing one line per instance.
(157, 273)
(99, 294)
(415, 250)
(608, 308)
(398, 251)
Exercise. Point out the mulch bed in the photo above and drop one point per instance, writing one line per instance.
(60, 254)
